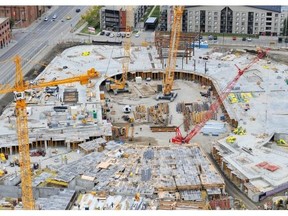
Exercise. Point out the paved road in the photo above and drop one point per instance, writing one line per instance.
(40, 36)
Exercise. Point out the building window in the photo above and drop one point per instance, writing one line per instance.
(243, 19)
(215, 13)
(209, 23)
(276, 20)
(237, 28)
(209, 13)
(256, 19)
(215, 23)
(242, 23)
(197, 12)
(256, 24)
(276, 15)
(237, 23)
(197, 22)
(237, 14)
(243, 14)
(209, 17)
(190, 12)
(215, 27)
(242, 28)
(262, 14)
(268, 28)
(196, 17)
(268, 14)
(256, 14)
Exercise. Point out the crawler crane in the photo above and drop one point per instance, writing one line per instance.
(172, 56)
(22, 122)
(121, 85)
(179, 139)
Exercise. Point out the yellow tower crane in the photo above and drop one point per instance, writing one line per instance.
(22, 122)
(121, 85)
(172, 56)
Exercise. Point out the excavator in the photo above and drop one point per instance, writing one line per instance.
(19, 89)
(168, 80)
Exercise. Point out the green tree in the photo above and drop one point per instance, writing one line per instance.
(12, 22)
(92, 16)
(285, 28)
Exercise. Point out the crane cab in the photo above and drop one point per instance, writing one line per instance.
(19, 96)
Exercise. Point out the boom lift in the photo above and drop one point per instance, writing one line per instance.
(121, 85)
(179, 139)
(172, 56)
(22, 123)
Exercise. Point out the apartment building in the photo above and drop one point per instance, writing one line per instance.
(23, 16)
(4, 32)
(114, 17)
(262, 20)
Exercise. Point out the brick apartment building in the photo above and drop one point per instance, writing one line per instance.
(4, 32)
(22, 15)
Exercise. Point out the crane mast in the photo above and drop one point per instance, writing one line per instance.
(23, 139)
(179, 139)
(22, 123)
(172, 55)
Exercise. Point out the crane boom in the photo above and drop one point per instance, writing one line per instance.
(179, 139)
(121, 85)
(22, 124)
(174, 43)
(172, 55)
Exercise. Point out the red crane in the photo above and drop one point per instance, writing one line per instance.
(179, 139)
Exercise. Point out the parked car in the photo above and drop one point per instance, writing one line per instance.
(118, 34)
(107, 33)
(102, 33)
(210, 37)
(111, 35)
(234, 38)
(249, 39)
(78, 10)
(286, 40)
(68, 18)
(215, 37)
(137, 35)
(46, 19)
(244, 39)
(54, 17)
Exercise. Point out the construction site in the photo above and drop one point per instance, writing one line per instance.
(156, 126)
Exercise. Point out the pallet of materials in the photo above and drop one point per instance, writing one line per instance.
(163, 129)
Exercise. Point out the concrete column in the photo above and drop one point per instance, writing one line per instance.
(45, 143)
(11, 150)
(68, 146)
